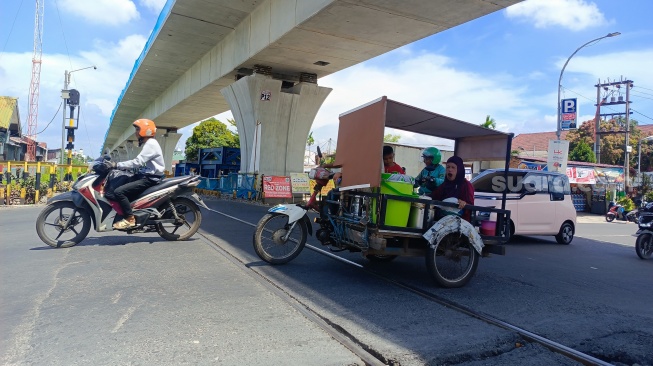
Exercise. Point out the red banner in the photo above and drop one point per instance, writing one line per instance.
(276, 187)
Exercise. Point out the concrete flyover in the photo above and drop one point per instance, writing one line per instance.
(262, 59)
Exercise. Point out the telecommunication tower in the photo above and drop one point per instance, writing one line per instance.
(34, 85)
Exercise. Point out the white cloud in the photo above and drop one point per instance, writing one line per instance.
(427, 81)
(108, 12)
(99, 88)
(154, 5)
(571, 14)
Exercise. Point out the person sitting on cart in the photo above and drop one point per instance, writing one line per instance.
(389, 164)
(456, 186)
(433, 173)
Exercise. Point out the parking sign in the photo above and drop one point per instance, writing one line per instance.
(569, 115)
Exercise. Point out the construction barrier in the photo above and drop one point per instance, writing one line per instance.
(236, 185)
(23, 182)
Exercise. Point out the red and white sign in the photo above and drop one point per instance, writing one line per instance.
(568, 116)
(581, 175)
(276, 187)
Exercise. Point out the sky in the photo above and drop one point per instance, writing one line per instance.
(505, 65)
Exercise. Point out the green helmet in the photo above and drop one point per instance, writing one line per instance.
(433, 153)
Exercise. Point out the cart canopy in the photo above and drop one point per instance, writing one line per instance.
(361, 131)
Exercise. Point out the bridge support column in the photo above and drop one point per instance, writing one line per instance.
(273, 125)
(168, 142)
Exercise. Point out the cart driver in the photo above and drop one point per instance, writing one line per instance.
(456, 186)
(433, 173)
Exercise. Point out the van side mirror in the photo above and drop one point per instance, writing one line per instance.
(557, 196)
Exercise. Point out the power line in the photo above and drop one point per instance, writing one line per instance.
(642, 114)
(644, 88)
(12, 28)
(641, 92)
(53, 117)
(591, 100)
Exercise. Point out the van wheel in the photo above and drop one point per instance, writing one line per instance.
(566, 234)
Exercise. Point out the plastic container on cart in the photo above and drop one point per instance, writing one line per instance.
(416, 217)
(488, 227)
(396, 212)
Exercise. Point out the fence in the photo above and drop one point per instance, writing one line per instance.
(238, 185)
(27, 182)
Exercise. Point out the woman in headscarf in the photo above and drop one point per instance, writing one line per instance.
(456, 185)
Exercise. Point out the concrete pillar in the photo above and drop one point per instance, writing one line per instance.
(273, 125)
(168, 142)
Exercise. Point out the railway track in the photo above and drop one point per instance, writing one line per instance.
(366, 353)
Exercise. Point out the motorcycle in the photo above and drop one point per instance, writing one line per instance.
(616, 211)
(644, 243)
(169, 208)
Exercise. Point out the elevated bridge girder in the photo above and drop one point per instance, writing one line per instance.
(198, 48)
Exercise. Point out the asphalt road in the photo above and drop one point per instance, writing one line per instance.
(118, 299)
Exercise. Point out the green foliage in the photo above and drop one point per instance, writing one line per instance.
(489, 123)
(649, 196)
(613, 145)
(310, 140)
(210, 133)
(391, 138)
(627, 203)
(582, 152)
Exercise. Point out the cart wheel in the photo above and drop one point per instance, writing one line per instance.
(381, 257)
(274, 244)
(453, 261)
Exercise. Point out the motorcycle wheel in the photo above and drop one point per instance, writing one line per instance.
(190, 219)
(644, 246)
(609, 217)
(50, 224)
(269, 243)
(453, 261)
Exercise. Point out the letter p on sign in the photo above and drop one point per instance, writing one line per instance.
(569, 105)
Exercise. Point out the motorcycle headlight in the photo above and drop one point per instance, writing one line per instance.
(646, 221)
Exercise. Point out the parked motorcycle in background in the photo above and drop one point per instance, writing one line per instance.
(644, 244)
(616, 211)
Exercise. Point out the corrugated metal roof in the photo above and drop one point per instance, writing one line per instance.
(7, 108)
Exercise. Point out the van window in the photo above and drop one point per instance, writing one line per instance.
(539, 181)
(559, 183)
(494, 182)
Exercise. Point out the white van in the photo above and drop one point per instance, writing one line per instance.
(539, 201)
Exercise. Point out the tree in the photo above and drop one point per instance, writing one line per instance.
(310, 140)
(582, 152)
(585, 133)
(489, 123)
(209, 133)
(391, 138)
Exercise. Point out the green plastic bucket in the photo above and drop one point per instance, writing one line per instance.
(396, 212)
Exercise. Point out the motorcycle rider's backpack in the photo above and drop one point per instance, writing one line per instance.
(115, 179)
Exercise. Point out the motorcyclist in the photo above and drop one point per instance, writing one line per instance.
(433, 173)
(151, 167)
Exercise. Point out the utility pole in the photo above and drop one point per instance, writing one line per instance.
(601, 102)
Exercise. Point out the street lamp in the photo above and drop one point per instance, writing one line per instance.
(66, 81)
(563, 70)
(639, 155)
